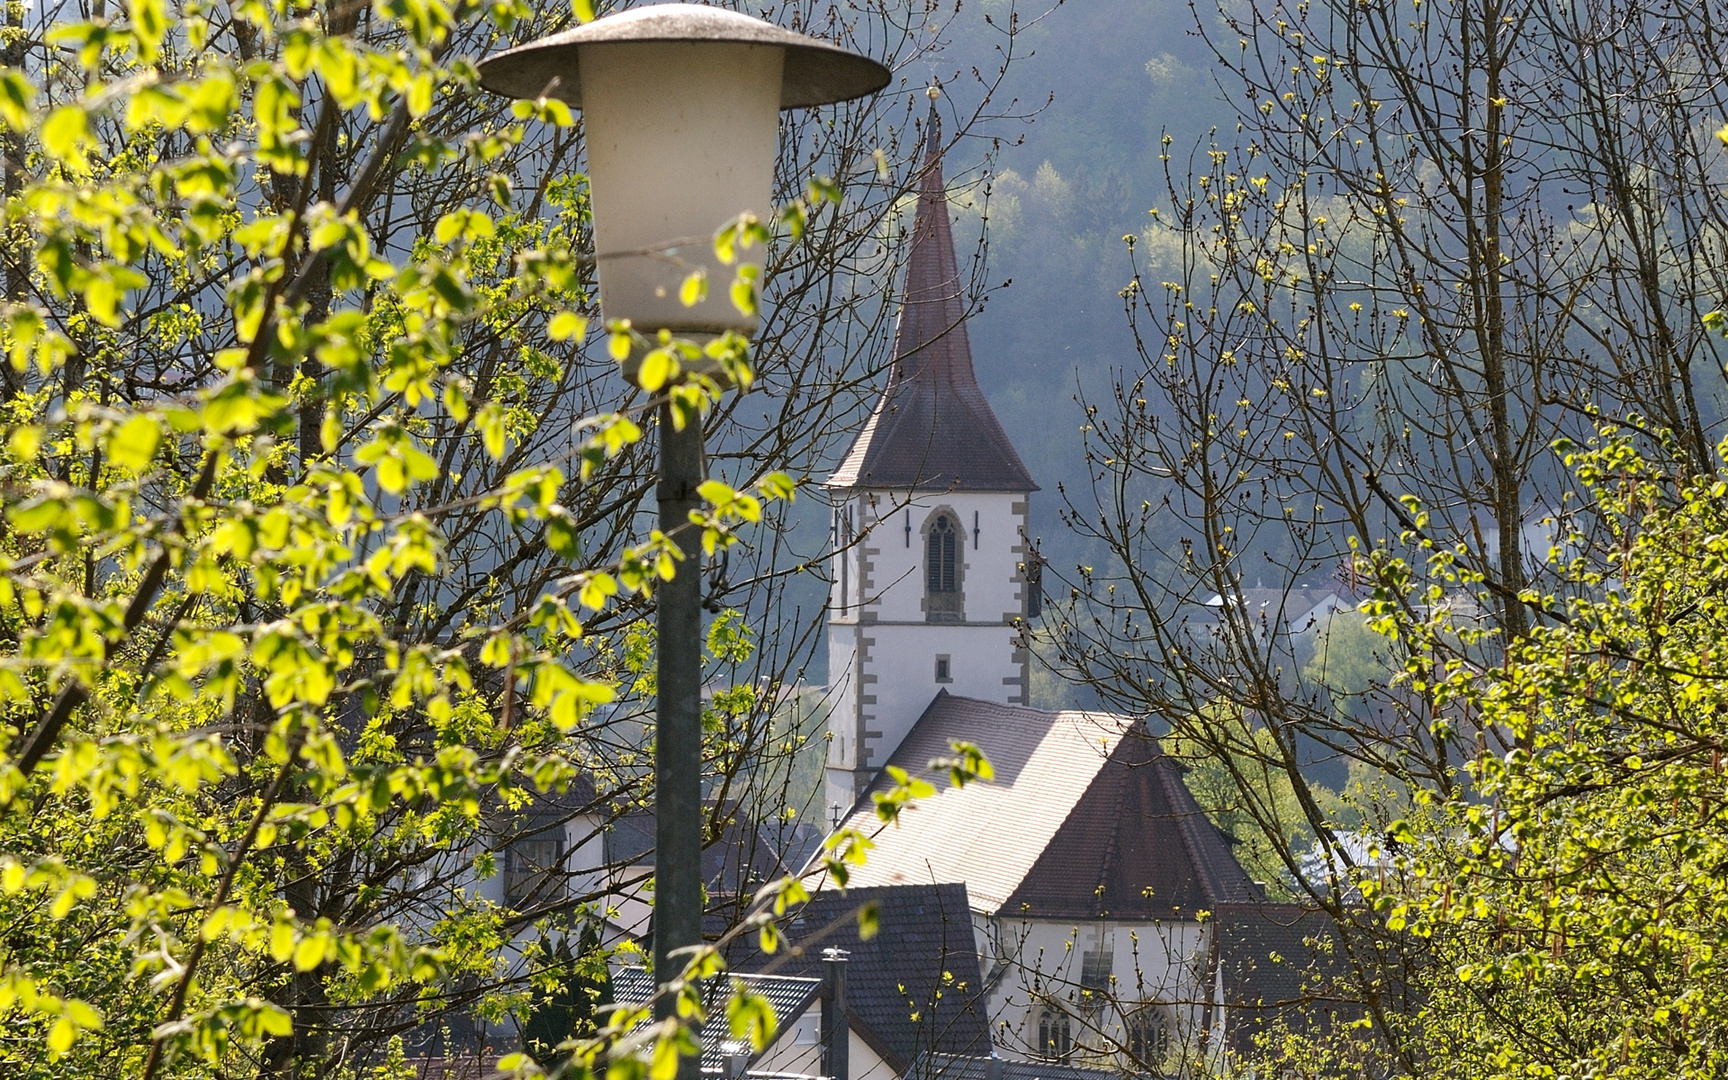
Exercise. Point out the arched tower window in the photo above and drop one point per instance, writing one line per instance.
(942, 597)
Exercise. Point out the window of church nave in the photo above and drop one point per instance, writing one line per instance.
(942, 597)
(1148, 1035)
(1055, 1033)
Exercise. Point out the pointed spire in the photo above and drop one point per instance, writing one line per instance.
(933, 429)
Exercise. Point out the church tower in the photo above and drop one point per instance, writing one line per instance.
(929, 527)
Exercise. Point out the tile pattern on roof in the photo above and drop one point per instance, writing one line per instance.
(1282, 964)
(980, 1067)
(790, 995)
(1135, 845)
(913, 988)
(932, 428)
(985, 835)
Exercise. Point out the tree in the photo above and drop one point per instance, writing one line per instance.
(325, 535)
(1573, 892)
(1440, 238)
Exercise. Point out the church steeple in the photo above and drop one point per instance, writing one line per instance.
(930, 521)
(932, 428)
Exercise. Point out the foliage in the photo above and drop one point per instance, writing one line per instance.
(1245, 792)
(1574, 892)
(318, 547)
(1349, 660)
(1438, 239)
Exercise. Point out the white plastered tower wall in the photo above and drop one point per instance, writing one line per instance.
(912, 614)
(889, 654)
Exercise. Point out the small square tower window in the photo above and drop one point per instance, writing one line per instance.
(942, 670)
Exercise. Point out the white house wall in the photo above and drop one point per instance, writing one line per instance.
(798, 1052)
(1029, 961)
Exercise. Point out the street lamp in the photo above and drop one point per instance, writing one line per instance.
(680, 109)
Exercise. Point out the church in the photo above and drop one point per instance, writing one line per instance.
(1106, 909)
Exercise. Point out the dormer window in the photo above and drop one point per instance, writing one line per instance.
(942, 598)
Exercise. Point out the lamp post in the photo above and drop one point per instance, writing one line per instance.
(680, 109)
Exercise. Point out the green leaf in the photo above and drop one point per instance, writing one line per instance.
(25, 443)
(658, 368)
(744, 288)
(37, 515)
(274, 1021)
(751, 1017)
(309, 953)
(133, 444)
(566, 325)
(65, 134)
(869, 920)
(694, 290)
(60, 1036)
(149, 25)
(583, 9)
(16, 96)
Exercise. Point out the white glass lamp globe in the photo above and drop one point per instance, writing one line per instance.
(680, 106)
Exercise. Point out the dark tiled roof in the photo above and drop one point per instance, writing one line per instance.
(789, 995)
(932, 429)
(1135, 845)
(913, 987)
(979, 1067)
(1282, 964)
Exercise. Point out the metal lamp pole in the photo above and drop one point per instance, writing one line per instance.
(681, 108)
(678, 740)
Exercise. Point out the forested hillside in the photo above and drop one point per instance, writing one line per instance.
(1101, 82)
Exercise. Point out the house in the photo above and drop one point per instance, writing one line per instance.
(912, 989)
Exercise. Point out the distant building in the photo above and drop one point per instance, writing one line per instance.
(1092, 878)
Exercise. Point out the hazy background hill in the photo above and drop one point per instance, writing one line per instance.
(1085, 172)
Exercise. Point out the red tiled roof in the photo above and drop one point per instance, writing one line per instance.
(932, 428)
(1135, 845)
(1086, 817)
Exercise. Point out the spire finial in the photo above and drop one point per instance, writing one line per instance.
(933, 125)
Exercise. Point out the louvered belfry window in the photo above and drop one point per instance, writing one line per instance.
(939, 566)
(942, 574)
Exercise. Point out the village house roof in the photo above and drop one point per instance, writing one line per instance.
(789, 996)
(1281, 965)
(1086, 817)
(983, 1067)
(912, 988)
(932, 428)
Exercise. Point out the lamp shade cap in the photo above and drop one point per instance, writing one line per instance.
(817, 72)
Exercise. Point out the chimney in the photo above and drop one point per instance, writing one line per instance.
(836, 1033)
(993, 1070)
